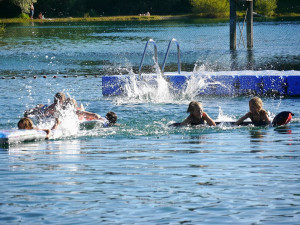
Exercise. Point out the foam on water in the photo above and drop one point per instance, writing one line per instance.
(156, 89)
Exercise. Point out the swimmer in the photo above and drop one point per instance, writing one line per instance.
(197, 115)
(27, 124)
(44, 110)
(112, 118)
(257, 114)
(59, 99)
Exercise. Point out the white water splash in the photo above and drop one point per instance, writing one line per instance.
(146, 88)
(223, 117)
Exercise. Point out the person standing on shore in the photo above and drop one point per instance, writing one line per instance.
(31, 11)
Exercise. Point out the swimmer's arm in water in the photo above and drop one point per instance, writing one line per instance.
(246, 116)
(187, 121)
(89, 115)
(266, 118)
(57, 122)
(209, 120)
(48, 131)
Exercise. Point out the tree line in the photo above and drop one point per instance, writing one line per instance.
(92, 8)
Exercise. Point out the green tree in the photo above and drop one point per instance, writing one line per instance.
(266, 7)
(210, 7)
(23, 4)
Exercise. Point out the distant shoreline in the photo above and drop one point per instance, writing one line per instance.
(129, 18)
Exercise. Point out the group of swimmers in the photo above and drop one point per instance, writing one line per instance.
(257, 114)
(54, 110)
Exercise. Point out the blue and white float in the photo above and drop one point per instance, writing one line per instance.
(268, 82)
(16, 135)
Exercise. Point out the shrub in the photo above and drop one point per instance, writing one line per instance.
(24, 16)
(210, 7)
(265, 7)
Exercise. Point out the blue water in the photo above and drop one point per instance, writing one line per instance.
(144, 172)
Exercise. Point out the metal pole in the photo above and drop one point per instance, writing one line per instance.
(167, 53)
(250, 24)
(232, 25)
(155, 54)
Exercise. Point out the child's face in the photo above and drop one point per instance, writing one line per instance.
(197, 112)
(21, 126)
(253, 108)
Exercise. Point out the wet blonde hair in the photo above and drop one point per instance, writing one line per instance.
(25, 123)
(257, 102)
(193, 106)
(70, 102)
(59, 97)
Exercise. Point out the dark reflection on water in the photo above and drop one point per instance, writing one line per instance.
(103, 48)
(257, 135)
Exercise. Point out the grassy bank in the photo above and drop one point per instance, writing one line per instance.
(122, 18)
(96, 19)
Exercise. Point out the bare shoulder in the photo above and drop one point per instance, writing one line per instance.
(263, 112)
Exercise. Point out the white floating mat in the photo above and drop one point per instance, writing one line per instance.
(15, 135)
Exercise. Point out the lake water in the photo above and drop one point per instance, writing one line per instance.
(145, 172)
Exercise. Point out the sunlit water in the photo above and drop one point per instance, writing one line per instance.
(142, 172)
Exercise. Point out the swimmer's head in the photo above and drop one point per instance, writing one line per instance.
(194, 106)
(59, 97)
(255, 104)
(25, 123)
(70, 102)
(111, 117)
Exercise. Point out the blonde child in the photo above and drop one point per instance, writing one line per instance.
(197, 115)
(257, 114)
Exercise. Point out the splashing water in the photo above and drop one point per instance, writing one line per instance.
(146, 88)
(153, 87)
(223, 117)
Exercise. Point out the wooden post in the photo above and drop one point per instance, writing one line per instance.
(232, 25)
(250, 24)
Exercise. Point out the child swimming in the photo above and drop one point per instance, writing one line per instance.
(41, 111)
(27, 124)
(112, 118)
(257, 114)
(197, 115)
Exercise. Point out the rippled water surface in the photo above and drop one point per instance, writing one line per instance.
(142, 172)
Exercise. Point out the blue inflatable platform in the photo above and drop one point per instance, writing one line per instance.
(268, 83)
(227, 83)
